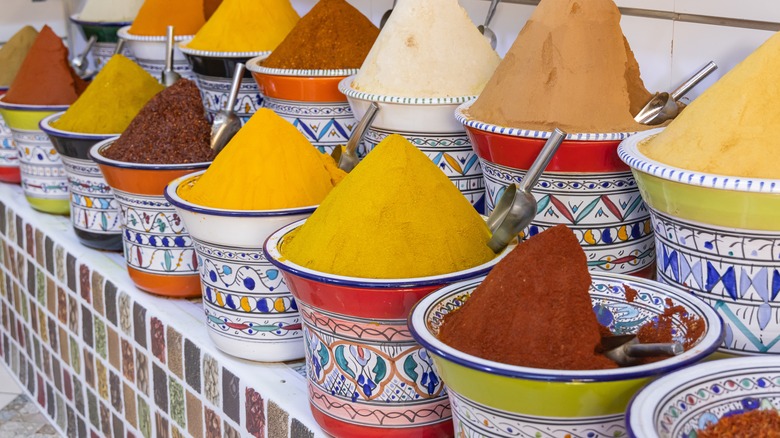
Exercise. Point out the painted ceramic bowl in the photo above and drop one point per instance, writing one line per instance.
(681, 403)
(214, 73)
(159, 252)
(94, 213)
(367, 376)
(585, 187)
(9, 156)
(309, 99)
(250, 311)
(43, 176)
(716, 236)
(493, 399)
(107, 39)
(427, 123)
(149, 53)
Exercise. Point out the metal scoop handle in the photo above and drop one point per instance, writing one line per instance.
(169, 76)
(238, 75)
(650, 350)
(120, 46)
(79, 62)
(490, 12)
(542, 160)
(683, 89)
(348, 159)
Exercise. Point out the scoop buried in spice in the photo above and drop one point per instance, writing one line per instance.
(347, 157)
(79, 62)
(226, 122)
(664, 106)
(627, 350)
(169, 76)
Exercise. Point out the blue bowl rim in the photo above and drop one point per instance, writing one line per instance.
(95, 154)
(74, 18)
(45, 125)
(171, 195)
(629, 152)
(24, 107)
(345, 86)
(639, 407)
(434, 346)
(272, 254)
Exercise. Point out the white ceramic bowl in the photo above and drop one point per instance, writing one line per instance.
(149, 53)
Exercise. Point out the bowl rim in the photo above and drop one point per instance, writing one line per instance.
(75, 19)
(642, 406)
(215, 54)
(171, 195)
(706, 346)
(463, 117)
(45, 125)
(254, 66)
(273, 255)
(124, 32)
(629, 152)
(95, 154)
(25, 107)
(345, 86)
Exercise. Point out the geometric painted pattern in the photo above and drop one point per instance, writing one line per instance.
(93, 207)
(450, 152)
(325, 124)
(735, 271)
(604, 210)
(215, 92)
(103, 51)
(42, 171)
(9, 157)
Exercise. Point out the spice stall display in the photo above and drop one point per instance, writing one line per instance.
(12, 54)
(167, 139)
(299, 79)
(417, 77)
(104, 110)
(268, 176)
(230, 37)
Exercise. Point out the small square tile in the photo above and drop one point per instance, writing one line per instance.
(71, 267)
(194, 415)
(141, 372)
(102, 379)
(82, 428)
(97, 292)
(161, 426)
(129, 400)
(213, 424)
(110, 302)
(177, 408)
(230, 395)
(78, 395)
(41, 282)
(59, 263)
(158, 339)
(41, 391)
(139, 323)
(115, 388)
(174, 352)
(53, 334)
(61, 413)
(119, 427)
(50, 403)
(100, 337)
(160, 382)
(71, 428)
(277, 422)
(85, 283)
(49, 248)
(2, 218)
(192, 365)
(255, 414)
(30, 239)
(298, 430)
(105, 419)
(75, 355)
(73, 315)
(64, 346)
(128, 361)
(40, 253)
(67, 384)
(144, 418)
(86, 325)
(211, 386)
(229, 432)
(89, 368)
(114, 348)
(125, 314)
(31, 277)
(62, 305)
(57, 374)
(176, 432)
(19, 236)
(51, 296)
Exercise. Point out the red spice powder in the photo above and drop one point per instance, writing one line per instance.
(752, 424)
(46, 77)
(533, 309)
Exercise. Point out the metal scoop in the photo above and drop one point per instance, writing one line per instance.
(169, 77)
(484, 29)
(347, 158)
(517, 206)
(385, 16)
(663, 106)
(79, 62)
(626, 349)
(226, 122)
(120, 46)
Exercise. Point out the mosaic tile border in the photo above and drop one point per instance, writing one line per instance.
(102, 358)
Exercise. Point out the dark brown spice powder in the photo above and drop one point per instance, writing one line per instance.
(170, 129)
(752, 424)
(333, 35)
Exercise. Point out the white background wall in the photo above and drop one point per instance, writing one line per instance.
(668, 51)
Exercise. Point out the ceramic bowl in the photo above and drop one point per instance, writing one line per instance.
(158, 250)
(585, 187)
(688, 400)
(149, 53)
(106, 34)
(43, 176)
(9, 156)
(309, 99)
(94, 213)
(492, 399)
(367, 376)
(214, 73)
(427, 123)
(717, 236)
(250, 311)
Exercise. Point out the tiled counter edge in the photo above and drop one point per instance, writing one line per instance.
(102, 358)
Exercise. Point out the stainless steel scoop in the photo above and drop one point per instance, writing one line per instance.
(226, 123)
(169, 76)
(79, 62)
(663, 106)
(120, 45)
(626, 349)
(347, 158)
(517, 206)
(386, 15)
(484, 29)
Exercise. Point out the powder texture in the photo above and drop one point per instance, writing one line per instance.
(186, 16)
(46, 77)
(538, 295)
(759, 423)
(268, 165)
(333, 35)
(246, 26)
(112, 99)
(570, 67)
(110, 10)
(427, 49)
(726, 130)
(171, 129)
(396, 215)
(13, 53)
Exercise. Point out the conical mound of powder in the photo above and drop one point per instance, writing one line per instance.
(13, 52)
(154, 17)
(268, 165)
(728, 129)
(427, 48)
(571, 68)
(246, 26)
(396, 215)
(110, 10)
